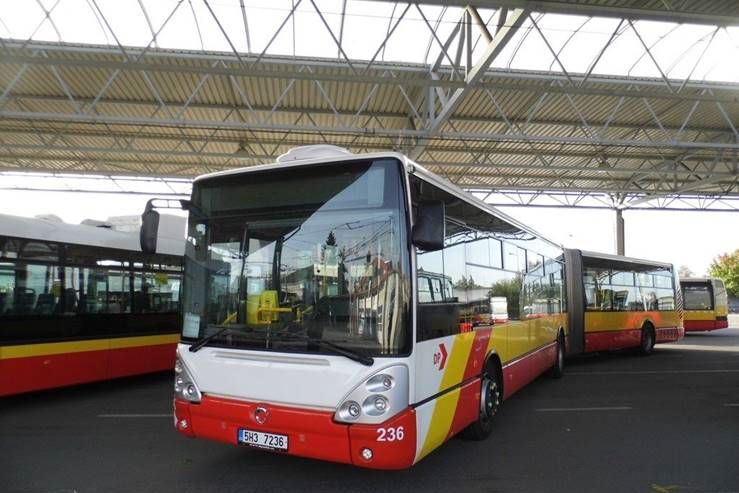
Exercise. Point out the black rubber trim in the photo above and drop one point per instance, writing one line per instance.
(445, 391)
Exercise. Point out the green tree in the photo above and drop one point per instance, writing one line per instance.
(684, 272)
(510, 289)
(726, 268)
(466, 283)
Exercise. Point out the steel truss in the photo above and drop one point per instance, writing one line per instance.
(632, 142)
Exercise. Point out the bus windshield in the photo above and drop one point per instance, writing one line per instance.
(293, 257)
(697, 296)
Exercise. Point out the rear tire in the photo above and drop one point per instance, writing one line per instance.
(559, 363)
(646, 347)
(491, 397)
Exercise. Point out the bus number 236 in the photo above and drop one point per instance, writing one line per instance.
(390, 434)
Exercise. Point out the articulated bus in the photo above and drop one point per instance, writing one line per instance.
(329, 309)
(80, 303)
(706, 304)
(620, 302)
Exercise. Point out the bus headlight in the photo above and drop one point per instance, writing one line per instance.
(184, 385)
(382, 396)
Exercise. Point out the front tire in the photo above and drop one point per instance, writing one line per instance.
(491, 398)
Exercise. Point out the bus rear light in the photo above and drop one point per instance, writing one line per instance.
(382, 396)
(367, 454)
(184, 385)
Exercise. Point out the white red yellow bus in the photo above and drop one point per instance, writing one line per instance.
(621, 302)
(706, 304)
(307, 328)
(81, 303)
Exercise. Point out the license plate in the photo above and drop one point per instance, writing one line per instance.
(270, 441)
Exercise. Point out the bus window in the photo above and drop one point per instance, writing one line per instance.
(119, 292)
(622, 278)
(513, 257)
(436, 293)
(7, 287)
(424, 290)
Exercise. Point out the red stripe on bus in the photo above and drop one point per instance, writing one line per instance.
(669, 334)
(519, 372)
(468, 405)
(704, 325)
(612, 339)
(60, 370)
(476, 358)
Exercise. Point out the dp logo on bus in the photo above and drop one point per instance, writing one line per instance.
(440, 357)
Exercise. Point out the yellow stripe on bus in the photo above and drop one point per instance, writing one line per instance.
(50, 348)
(607, 321)
(700, 314)
(446, 405)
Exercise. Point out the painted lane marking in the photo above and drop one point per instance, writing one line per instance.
(649, 372)
(731, 404)
(577, 409)
(134, 415)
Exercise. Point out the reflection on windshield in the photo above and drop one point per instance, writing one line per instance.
(301, 254)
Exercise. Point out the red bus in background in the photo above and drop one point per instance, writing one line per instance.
(618, 302)
(80, 303)
(706, 304)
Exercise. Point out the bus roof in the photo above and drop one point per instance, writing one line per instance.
(701, 279)
(625, 260)
(337, 156)
(82, 234)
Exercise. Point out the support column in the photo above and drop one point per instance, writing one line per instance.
(619, 232)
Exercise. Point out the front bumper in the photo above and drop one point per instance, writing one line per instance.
(311, 433)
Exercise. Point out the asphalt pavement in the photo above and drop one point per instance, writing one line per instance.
(614, 423)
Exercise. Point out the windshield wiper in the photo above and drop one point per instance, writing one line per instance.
(335, 348)
(197, 345)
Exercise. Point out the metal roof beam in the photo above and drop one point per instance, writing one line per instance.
(689, 187)
(673, 12)
(474, 73)
(42, 152)
(409, 75)
(345, 113)
(443, 147)
(389, 133)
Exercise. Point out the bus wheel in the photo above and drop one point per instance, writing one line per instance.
(647, 340)
(559, 364)
(490, 400)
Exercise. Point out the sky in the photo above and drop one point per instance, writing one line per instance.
(693, 239)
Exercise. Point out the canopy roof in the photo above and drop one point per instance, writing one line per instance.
(499, 96)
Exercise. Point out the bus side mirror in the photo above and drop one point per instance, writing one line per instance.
(430, 228)
(150, 222)
(149, 229)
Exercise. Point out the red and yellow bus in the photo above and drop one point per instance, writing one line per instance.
(620, 302)
(80, 303)
(706, 304)
(332, 309)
